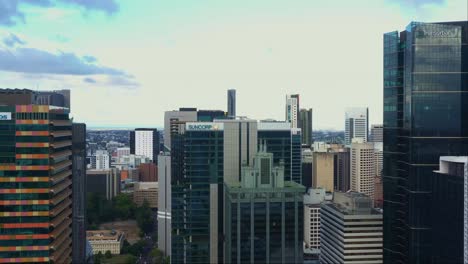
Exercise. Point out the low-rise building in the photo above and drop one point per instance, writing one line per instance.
(105, 240)
(146, 191)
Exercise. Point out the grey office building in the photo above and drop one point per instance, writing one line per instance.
(231, 95)
(263, 215)
(351, 230)
(164, 203)
(103, 182)
(305, 124)
(79, 192)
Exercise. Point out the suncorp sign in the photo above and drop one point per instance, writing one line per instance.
(203, 126)
(5, 116)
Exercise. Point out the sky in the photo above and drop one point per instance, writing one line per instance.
(128, 61)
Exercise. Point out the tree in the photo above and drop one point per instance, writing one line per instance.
(157, 256)
(131, 259)
(98, 258)
(124, 207)
(144, 217)
(108, 254)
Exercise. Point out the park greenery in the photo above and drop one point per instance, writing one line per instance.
(122, 207)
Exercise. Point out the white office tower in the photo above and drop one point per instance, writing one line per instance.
(356, 124)
(362, 167)
(292, 110)
(312, 202)
(351, 230)
(102, 160)
(164, 203)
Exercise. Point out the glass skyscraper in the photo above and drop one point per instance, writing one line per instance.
(425, 117)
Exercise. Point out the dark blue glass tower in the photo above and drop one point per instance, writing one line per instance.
(425, 117)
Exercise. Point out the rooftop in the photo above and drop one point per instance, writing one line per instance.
(98, 235)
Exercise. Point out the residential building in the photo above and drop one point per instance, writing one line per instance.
(305, 124)
(148, 172)
(106, 240)
(292, 110)
(356, 124)
(376, 134)
(164, 203)
(103, 182)
(146, 191)
(145, 142)
(449, 220)
(35, 179)
(79, 192)
(362, 167)
(425, 117)
(102, 160)
(351, 230)
(378, 192)
(263, 214)
(231, 95)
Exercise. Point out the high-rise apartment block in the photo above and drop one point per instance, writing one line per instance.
(351, 230)
(231, 95)
(425, 117)
(356, 124)
(35, 179)
(305, 124)
(362, 167)
(292, 110)
(145, 142)
(263, 215)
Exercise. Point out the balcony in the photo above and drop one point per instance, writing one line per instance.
(59, 177)
(57, 134)
(57, 199)
(60, 187)
(57, 210)
(61, 154)
(61, 144)
(59, 230)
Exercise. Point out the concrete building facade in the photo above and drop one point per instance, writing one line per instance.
(362, 167)
(356, 124)
(351, 230)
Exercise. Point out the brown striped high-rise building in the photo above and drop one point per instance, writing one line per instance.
(35, 178)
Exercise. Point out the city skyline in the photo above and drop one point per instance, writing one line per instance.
(149, 53)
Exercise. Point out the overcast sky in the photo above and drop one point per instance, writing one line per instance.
(128, 61)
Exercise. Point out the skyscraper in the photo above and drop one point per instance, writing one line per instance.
(231, 95)
(263, 215)
(425, 117)
(35, 179)
(292, 110)
(305, 124)
(356, 124)
(174, 121)
(79, 192)
(145, 142)
(351, 230)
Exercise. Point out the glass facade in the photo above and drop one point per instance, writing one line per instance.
(197, 162)
(286, 147)
(264, 225)
(425, 117)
